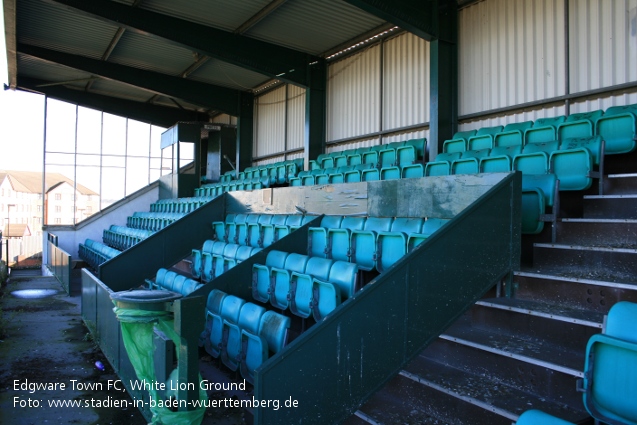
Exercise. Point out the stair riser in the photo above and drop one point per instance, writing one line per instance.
(535, 327)
(528, 377)
(597, 234)
(610, 208)
(572, 294)
(624, 264)
(620, 186)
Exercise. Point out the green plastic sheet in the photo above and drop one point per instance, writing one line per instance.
(137, 333)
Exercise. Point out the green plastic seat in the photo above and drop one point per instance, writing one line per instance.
(249, 319)
(429, 227)
(413, 171)
(512, 134)
(281, 279)
(391, 246)
(442, 165)
(483, 138)
(390, 173)
(272, 337)
(469, 163)
(339, 239)
(370, 174)
(230, 309)
(302, 285)
(537, 417)
(458, 143)
(618, 129)
(579, 125)
(261, 275)
(317, 243)
(410, 152)
(363, 242)
(213, 307)
(500, 159)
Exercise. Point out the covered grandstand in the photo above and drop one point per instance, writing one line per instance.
(396, 211)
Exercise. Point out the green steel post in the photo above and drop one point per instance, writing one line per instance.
(245, 131)
(189, 323)
(315, 111)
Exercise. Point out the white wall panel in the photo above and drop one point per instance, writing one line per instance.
(353, 95)
(405, 81)
(353, 145)
(266, 161)
(225, 119)
(296, 117)
(406, 136)
(603, 43)
(604, 102)
(269, 123)
(510, 52)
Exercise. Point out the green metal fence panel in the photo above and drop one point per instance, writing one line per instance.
(162, 249)
(338, 364)
(59, 263)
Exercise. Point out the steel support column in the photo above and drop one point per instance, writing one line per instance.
(443, 81)
(315, 111)
(245, 131)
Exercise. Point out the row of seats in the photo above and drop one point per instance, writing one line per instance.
(357, 173)
(172, 281)
(617, 127)
(122, 238)
(370, 242)
(306, 285)
(257, 230)
(217, 257)
(401, 153)
(216, 189)
(152, 220)
(96, 253)
(180, 205)
(244, 334)
(276, 173)
(610, 373)
(572, 160)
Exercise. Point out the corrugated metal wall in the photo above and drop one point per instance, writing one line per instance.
(296, 117)
(269, 123)
(405, 81)
(353, 95)
(510, 52)
(603, 43)
(225, 119)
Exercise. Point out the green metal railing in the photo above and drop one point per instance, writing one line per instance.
(59, 263)
(164, 248)
(333, 368)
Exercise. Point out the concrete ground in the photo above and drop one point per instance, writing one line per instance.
(43, 341)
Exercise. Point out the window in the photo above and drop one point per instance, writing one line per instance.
(58, 196)
(58, 221)
(58, 208)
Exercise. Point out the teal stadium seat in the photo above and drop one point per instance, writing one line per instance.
(230, 309)
(618, 129)
(272, 337)
(338, 239)
(512, 134)
(483, 138)
(262, 276)
(469, 162)
(579, 125)
(390, 173)
(213, 308)
(500, 159)
(411, 152)
(363, 242)
(340, 285)
(429, 227)
(317, 236)
(543, 130)
(534, 158)
(281, 279)
(442, 165)
(458, 143)
(302, 286)
(249, 319)
(413, 171)
(392, 245)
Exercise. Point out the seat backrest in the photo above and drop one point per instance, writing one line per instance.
(296, 262)
(231, 308)
(489, 130)
(432, 224)
(217, 248)
(230, 250)
(510, 151)
(445, 156)
(616, 110)
(250, 317)
(331, 221)
(464, 134)
(480, 153)
(621, 321)
(547, 147)
(554, 121)
(294, 220)
(353, 223)
(344, 275)
(215, 300)
(273, 328)
(278, 219)
(276, 259)
(407, 225)
(160, 276)
(521, 126)
(265, 218)
(378, 224)
(243, 253)
(592, 116)
(240, 218)
(319, 267)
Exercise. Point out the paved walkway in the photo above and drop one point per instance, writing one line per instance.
(44, 342)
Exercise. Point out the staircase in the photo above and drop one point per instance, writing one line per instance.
(508, 355)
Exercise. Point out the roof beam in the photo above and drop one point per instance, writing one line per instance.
(10, 39)
(260, 15)
(419, 17)
(206, 95)
(153, 114)
(258, 56)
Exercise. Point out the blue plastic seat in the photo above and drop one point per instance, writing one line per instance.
(371, 174)
(249, 319)
(302, 285)
(537, 417)
(390, 173)
(324, 176)
(196, 264)
(483, 138)
(413, 171)
(213, 307)
(574, 164)
(534, 158)
(363, 242)
(230, 309)
(272, 337)
(268, 232)
(430, 226)
(387, 157)
(339, 239)
(354, 175)
(339, 175)
(442, 164)
(261, 276)
(317, 244)
(618, 129)
(340, 285)
(411, 152)
(579, 125)
(500, 159)
(281, 279)
(458, 143)
(392, 245)
(543, 130)
(512, 134)
(371, 156)
(469, 163)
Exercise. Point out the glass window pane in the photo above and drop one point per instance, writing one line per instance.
(136, 174)
(113, 186)
(60, 126)
(89, 130)
(114, 138)
(138, 140)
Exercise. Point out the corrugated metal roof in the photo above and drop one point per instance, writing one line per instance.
(37, 68)
(120, 90)
(151, 53)
(50, 26)
(223, 14)
(314, 26)
(225, 74)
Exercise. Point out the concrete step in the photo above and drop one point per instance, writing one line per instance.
(615, 233)
(620, 184)
(617, 264)
(610, 206)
